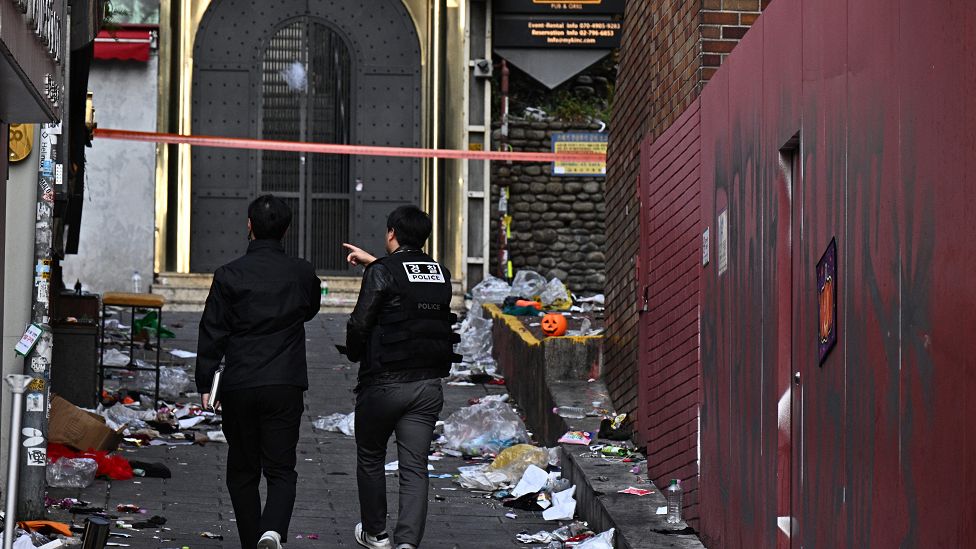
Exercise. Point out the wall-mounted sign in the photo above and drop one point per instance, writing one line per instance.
(827, 293)
(613, 7)
(540, 31)
(21, 141)
(580, 142)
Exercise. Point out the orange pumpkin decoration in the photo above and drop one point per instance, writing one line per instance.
(554, 324)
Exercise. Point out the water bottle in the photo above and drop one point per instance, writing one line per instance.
(571, 412)
(673, 494)
(136, 282)
(324, 287)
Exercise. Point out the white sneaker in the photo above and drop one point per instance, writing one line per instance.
(406, 546)
(379, 541)
(270, 540)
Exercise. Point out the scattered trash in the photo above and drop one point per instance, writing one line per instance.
(563, 506)
(576, 437)
(484, 428)
(603, 540)
(71, 473)
(179, 353)
(211, 535)
(512, 516)
(635, 491)
(113, 466)
(129, 508)
(337, 423)
(514, 461)
(479, 477)
(79, 429)
(532, 481)
(527, 284)
(115, 357)
(556, 296)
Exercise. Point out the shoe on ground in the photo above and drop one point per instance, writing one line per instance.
(270, 540)
(406, 546)
(379, 541)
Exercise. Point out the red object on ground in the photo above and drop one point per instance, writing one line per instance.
(113, 467)
(123, 44)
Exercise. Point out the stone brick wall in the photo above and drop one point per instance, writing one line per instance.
(558, 223)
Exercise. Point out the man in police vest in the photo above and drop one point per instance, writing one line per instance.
(400, 333)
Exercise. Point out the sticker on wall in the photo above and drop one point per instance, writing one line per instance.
(723, 242)
(37, 457)
(28, 340)
(706, 252)
(38, 364)
(827, 291)
(34, 437)
(35, 402)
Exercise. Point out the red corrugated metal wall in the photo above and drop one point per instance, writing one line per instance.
(669, 189)
(854, 120)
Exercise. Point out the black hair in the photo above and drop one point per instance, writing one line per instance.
(410, 225)
(270, 217)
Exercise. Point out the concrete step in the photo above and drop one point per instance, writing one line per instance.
(188, 292)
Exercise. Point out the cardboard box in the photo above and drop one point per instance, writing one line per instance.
(78, 429)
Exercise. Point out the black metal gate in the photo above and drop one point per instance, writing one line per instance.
(322, 71)
(305, 97)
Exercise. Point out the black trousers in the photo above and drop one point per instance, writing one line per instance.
(410, 409)
(261, 425)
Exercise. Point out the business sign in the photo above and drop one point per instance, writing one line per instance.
(827, 290)
(580, 142)
(612, 7)
(540, 31)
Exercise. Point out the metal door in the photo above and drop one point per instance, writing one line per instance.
(305, 97)
(334, 71)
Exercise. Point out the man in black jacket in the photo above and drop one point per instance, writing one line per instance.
(400, 333)
(255, 319)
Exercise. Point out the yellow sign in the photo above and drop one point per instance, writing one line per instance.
(21, 141)
(579, 142)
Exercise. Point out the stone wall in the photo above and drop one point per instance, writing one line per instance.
(557, 222)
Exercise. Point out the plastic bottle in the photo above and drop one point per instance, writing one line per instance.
(324, 286)
(571, 412)
(136, 282)
(673, 494)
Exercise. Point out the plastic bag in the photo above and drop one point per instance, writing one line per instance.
(528, 284)
(476, 344)
(71, 473)
(515, 460)
(480, 477)
(337, 423)
(556, 296)
(603, 540)
(490, 290)
(485, 428)
(115, 357)
(173, 381)
(120, 414)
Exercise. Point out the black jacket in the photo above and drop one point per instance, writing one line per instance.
(255, 318)
(387, 321)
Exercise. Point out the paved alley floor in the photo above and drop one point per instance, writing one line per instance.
(195, 499)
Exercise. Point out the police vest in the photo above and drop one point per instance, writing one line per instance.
(419, 334)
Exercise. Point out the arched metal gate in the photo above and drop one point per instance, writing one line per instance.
(340, 71)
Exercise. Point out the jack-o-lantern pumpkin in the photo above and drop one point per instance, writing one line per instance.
(554, 324)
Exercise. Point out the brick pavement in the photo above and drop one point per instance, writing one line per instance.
(195, 499)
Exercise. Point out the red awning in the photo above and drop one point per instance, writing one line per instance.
(125, 44)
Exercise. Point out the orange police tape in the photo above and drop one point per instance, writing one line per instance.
(329, 148)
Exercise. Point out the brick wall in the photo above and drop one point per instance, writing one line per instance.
(670, 252)
(670, 49)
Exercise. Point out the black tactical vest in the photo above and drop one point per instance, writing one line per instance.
(419, 334)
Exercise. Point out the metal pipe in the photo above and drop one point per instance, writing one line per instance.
(18, 384)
